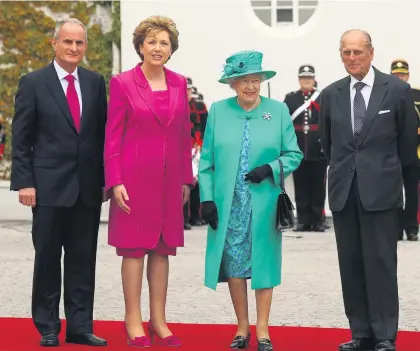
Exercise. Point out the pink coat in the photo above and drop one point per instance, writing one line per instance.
(151, 156)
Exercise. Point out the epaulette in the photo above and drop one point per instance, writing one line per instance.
(292, 93)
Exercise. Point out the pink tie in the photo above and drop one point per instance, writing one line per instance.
(73, 101)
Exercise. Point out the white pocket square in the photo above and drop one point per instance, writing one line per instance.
(383, 111)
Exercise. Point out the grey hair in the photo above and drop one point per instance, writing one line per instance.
(368, 38)
(232, 80)
(60, 24)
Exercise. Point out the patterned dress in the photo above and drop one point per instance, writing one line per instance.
(236, 260)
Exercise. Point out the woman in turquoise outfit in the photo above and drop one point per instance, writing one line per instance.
(247, 137)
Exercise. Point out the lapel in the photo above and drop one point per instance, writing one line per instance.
(379, 91)
(174, 94)
(232, 127)
(344, 106)
(54, 85)
(146, 93)
(86, 91)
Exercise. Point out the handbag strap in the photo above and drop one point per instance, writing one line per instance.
(282, 177)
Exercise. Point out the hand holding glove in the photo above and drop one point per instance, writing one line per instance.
(257, 175)
(209, 213)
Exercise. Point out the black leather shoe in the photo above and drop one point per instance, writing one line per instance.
(358, 345)
(85, 339)
(240, 342)
(385, 345)
(197, 223)
(264, 345)
(302, 228)
(49, 340)
(318, 228)
(412, 237)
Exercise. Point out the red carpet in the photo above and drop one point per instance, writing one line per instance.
(19, 334)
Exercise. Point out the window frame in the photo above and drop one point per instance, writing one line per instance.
(295, 7)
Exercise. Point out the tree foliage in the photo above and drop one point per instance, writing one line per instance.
(26, 30)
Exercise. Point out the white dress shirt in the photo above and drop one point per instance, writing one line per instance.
(64, 83)
(366, 90)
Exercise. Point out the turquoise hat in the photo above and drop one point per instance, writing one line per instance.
(244, 63)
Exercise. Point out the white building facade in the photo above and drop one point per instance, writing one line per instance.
(289, 33)
(295, 32)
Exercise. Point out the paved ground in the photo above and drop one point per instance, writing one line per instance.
(310, 293)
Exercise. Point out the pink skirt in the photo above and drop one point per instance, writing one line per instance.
(161, 248)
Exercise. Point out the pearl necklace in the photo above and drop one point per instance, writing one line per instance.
(252, 107)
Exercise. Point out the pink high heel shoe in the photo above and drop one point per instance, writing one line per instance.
(138, 341)
(171, 340)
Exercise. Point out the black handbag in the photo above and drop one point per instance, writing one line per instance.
(285, 214)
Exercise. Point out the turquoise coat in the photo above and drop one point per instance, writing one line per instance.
(272, 139)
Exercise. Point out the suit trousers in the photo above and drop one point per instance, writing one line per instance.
(367, 254)
(192, 207)
(309, 183)
(74, 229)
(409, 216)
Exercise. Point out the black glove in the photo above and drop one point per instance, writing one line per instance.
(257, 175)
(209, 213)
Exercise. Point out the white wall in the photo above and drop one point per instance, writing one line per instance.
(210, 30)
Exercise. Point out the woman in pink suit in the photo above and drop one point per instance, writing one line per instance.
(148, 166)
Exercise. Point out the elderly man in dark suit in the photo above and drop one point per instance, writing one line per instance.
(368, 129)
(57, 167)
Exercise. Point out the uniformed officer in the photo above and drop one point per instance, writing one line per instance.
(198, 119)
(309, 178)
(400, 68)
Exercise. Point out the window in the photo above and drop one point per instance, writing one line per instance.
(284, 13)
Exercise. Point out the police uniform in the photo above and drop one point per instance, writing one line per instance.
(309, 178)
(411, 173)
(198, 120)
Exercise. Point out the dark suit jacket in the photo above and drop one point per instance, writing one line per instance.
(388, 142)
(48, 153)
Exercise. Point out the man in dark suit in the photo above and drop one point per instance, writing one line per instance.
(368, 130)
(58, 136)
(409, 222)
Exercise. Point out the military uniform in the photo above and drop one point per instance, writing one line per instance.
(198, 120)
(309, 177)
(410, 223)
